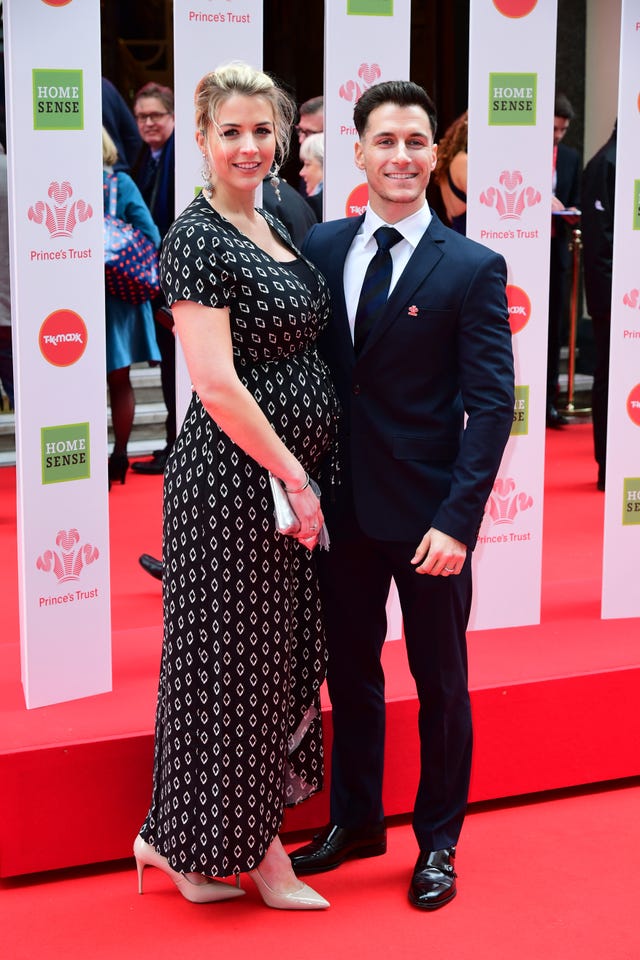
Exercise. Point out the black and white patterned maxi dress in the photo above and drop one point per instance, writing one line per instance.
(238, 726)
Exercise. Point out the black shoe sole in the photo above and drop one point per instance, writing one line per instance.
(360, 853)
(432, 906)
(147, 471)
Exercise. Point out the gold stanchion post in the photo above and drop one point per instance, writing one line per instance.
(575, 245)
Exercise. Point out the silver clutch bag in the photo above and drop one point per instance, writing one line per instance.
(286, 520)
(284, 514)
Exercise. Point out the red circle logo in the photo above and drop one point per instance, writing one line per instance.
(514, 8)
(62, 338)
(357, 201)
(56, 3)
(633, 405)
(519, 306)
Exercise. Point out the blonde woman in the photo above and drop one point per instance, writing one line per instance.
(238, 732)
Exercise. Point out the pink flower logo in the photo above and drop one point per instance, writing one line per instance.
(352, 90)
(505, 502)
(512, 197)
(66, 563)
(60, 217)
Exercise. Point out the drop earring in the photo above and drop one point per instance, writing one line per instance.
(206, 177)
(274, 180)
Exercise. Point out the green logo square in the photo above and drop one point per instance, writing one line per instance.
(636, 204)
(369, 8)
(65, 453)
(512, 99)
(631, 502)
(520, 425)
(58, 100)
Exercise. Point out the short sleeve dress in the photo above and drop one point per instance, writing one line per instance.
(238, 725)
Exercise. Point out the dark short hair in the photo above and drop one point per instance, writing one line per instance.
(562, 107)
(314, 105)
(163, 94)
(403, 93)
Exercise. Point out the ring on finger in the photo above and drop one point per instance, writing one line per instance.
(449, 569)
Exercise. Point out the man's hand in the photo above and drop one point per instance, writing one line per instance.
(439, 555)
(572, 215)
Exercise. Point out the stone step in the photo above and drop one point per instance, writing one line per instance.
(146, 383)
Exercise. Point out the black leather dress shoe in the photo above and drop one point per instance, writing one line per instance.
(333, 845)
(156, 465)
(151, 565)
(555, 420)
(434, 880)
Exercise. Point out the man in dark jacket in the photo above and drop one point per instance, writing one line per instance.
(121, 126)
(419, 348)
(154, 173)
(566, 194)
(598, 193)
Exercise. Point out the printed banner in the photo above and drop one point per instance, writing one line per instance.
(57, 283)
(366, 42)
(622, 490)
(204, 39)
(511, 102)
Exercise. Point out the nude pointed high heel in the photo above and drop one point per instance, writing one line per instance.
(206, 892)
(303, 899)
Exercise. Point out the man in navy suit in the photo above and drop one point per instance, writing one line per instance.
(598, 215)
(414, 482)
(564, 217)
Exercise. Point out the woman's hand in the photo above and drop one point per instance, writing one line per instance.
(306, 507)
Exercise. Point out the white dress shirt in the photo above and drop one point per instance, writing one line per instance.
(364, 247)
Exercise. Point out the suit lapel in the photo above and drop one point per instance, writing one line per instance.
(422, 262)
(335, 277)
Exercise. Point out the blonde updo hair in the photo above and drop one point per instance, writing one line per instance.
(239, 78)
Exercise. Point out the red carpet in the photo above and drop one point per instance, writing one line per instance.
(554, 705)
(554, 877)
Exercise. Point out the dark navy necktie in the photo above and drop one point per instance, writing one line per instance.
(375, 286)
(148, 178)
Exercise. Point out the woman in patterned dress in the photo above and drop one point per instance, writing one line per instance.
(238, 726)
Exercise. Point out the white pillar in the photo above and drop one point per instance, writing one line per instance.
(620, 596)
(54, 122)
(512, 50)
(204, 38)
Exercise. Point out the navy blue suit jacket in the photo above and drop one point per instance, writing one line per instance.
(568, 169)
(441, 350)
